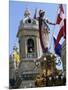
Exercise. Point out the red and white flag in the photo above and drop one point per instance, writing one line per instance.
(60, 15)
(61, 20)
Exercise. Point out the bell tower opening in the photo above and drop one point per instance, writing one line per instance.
(31, 49)
(30, 45)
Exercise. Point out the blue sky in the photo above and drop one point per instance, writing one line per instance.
(16, 12)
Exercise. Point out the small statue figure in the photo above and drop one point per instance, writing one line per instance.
(16, 57)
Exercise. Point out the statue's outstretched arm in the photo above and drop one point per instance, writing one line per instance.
(50, 22)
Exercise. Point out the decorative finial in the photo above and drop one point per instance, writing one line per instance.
(27, 13)
(35, 14)
(15, 47)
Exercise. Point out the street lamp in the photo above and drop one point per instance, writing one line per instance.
(51, 55)
(57, 77)
(50, 78)
(44, 58)
(61, 77)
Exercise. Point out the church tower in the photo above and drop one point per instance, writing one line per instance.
(29, 42)
(30, 49)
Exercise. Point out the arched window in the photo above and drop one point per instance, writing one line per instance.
(30, 45)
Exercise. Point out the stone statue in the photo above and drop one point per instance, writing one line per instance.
(44, 30)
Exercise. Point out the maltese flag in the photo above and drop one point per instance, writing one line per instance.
(62, 22)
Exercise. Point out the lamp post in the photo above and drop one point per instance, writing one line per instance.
(45, 69)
